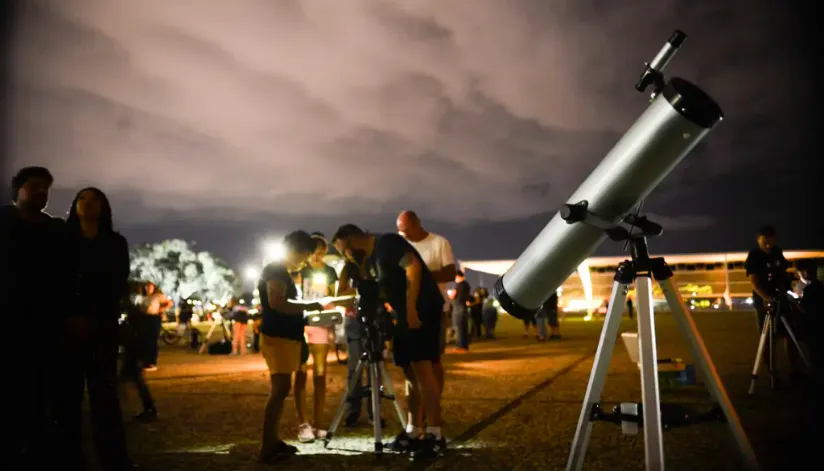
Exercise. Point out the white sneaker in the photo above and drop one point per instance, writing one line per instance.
(306, 434)
(320, 434)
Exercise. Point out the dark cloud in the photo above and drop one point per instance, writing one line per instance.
(466, 110)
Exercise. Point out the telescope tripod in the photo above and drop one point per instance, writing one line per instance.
(227, 336)
(379, 381)
(769, 333)
(641, 270)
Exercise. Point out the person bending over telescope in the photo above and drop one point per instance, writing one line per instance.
(417, 302)
(766, 269)
(282, 336)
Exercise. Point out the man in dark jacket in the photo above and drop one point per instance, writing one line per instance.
(34, 289)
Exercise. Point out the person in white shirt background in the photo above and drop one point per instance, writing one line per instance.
(154, 305)
(437, 253)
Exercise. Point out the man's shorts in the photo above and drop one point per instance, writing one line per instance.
(416, 345)
(442, 340)
(283, 356)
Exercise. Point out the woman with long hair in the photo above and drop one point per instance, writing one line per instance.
(99, 267)
(317, 280)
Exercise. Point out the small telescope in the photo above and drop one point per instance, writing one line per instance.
(678, 118)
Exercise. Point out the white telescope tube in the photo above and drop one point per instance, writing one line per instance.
(669, 129)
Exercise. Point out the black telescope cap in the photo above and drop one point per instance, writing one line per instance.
(677, 38)
(692, 103)
(514, 309)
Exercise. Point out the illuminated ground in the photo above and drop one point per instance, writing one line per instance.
(211, 407)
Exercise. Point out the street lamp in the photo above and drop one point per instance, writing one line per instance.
(273, 251)
(251, 273)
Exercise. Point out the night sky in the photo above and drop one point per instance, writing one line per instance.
(226, 122)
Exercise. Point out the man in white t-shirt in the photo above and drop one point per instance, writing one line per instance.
(437, 253)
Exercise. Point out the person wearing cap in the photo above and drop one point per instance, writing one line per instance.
(34, 291)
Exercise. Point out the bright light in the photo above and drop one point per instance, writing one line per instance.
(748, 301)
(586, 282)
(577, 305)
(273, 251)
(251, 272)
(319, 279)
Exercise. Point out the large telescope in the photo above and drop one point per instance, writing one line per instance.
(678, 118)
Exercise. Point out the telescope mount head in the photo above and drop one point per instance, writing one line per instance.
(654, 70)
(637, 241)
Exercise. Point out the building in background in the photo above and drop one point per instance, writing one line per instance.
(706, 281)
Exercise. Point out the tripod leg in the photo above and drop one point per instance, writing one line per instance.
(771, 353)
(700, 355)
(387, 383)
(759, 354)
(650, 398)
(597, 377)
(205, 344)
(791, 333)
(374, 373)
(350, 390)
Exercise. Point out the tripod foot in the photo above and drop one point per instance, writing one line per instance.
(326, 440)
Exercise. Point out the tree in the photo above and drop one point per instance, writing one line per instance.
(180, 271)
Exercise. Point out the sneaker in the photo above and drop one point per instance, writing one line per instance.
(429, 447)
(306, 434)
(319, 434)
(402, 443)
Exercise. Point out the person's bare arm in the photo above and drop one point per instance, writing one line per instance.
(445, 274)
(414, 270)
(345, 288)
(448, 271)
(756, 286)
(276, 291)
(165, 304)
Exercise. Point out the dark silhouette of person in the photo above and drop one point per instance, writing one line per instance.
(33, 291)
(89, 341)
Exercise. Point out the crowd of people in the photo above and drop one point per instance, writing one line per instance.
(72, 276)
(413, 269)
(83, 266)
